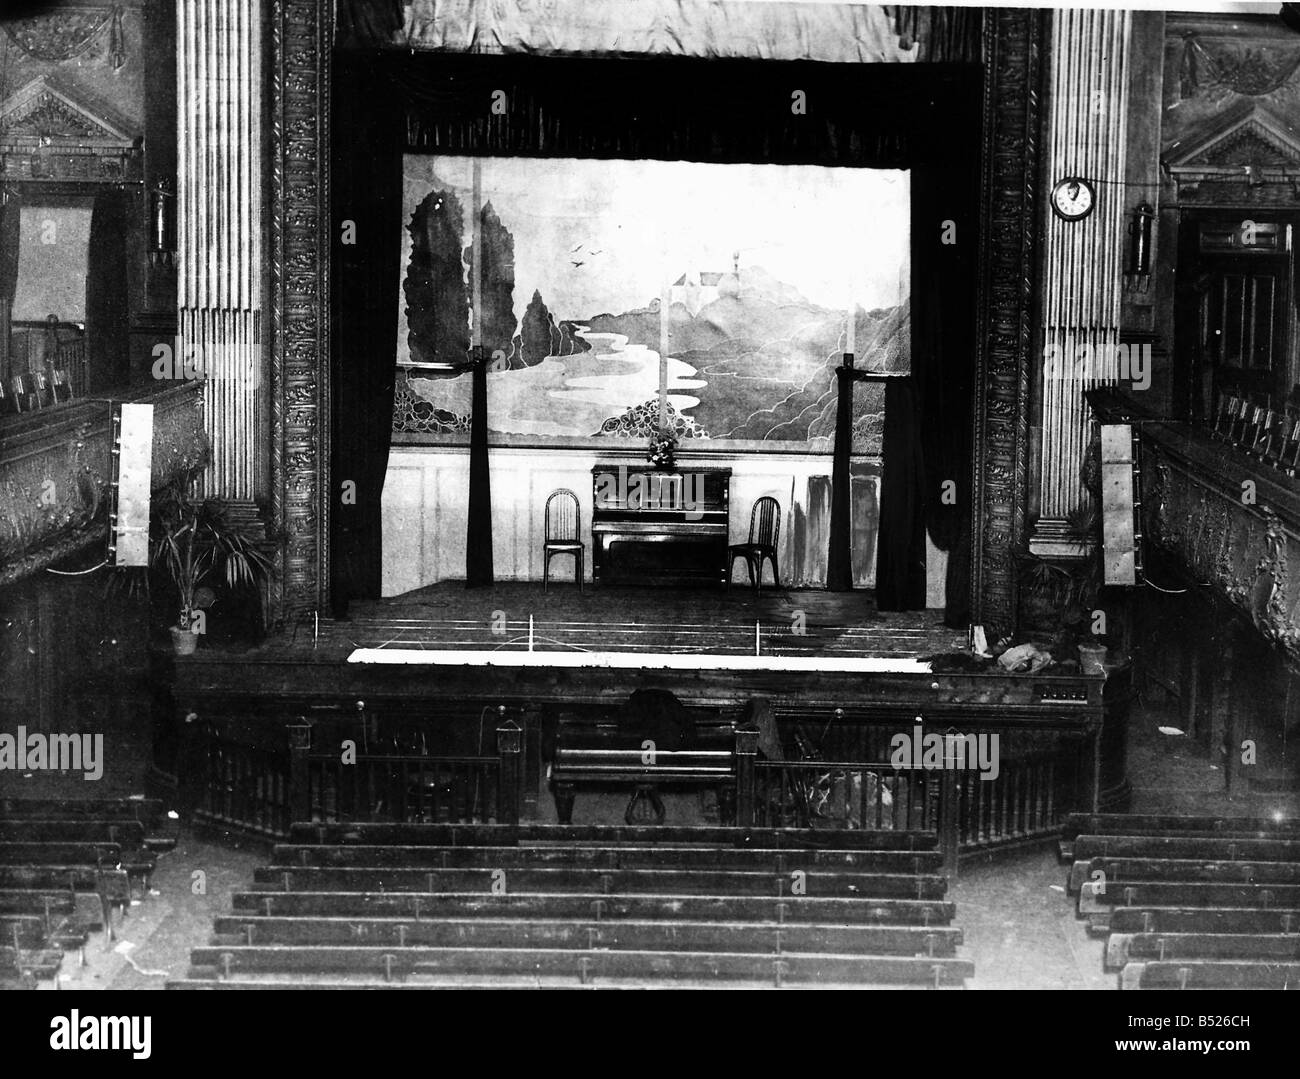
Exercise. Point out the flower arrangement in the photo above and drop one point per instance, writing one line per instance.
(663, 447)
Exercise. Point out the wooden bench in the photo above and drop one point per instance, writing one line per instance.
(1164, 947)
(1189, 974)
(585, 966)
(595, 858)
(640, 934)
(26, 966)
(1128, 870)
(1164, 826)
(597, 751)
(512, 908)
(1203, 920)
(55, 853)
(420, 905)
(125, 833)
(144, 810)
(693, 881)
(1190, 902)
(571, 836)
(1227, 849)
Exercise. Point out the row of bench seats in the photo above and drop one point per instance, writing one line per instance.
(1190, 902)
(427, 905)
(64, 866)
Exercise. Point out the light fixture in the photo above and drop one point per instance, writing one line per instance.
(162, 221)
(1137, 267)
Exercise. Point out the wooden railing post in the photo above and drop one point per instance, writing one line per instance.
(949, 832)
(299, 733)
(510, 746)
(746, 751)
(192, 775)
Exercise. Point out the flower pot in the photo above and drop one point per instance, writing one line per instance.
(184, 641)
(1092, 658)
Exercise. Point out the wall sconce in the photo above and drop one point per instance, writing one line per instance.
(1138, 265)
(38, 161)
(162, 222)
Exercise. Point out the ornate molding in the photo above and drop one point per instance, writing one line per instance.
(1013, 69)
(1242, 552)
(55, 476)
(299, 110)
(68, 32)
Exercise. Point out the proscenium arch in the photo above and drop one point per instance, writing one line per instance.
(300, 239)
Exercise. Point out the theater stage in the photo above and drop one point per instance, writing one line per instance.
(460, 679)
(446, 652)
(518, 617)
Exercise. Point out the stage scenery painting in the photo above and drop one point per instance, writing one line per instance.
(769, 272)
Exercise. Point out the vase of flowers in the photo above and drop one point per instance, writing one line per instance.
(663, 448)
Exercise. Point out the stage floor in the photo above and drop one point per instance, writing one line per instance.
(512, 616)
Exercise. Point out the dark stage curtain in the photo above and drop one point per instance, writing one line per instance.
(366, 190)
(900, 544)
(367, 22)
(944, 208)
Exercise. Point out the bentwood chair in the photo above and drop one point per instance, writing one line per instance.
(563, 534)
(764, 535)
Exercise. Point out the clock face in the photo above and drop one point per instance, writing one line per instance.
(1073, 198)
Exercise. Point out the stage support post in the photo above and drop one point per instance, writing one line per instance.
(839, 561)
(299, 733)
(839, 564)
(746, 751)
(510, 745)
(478, 546)
(949, 833)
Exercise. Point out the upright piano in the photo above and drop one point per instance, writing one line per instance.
(659, 526)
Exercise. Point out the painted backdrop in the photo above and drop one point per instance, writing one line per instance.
(761, 266)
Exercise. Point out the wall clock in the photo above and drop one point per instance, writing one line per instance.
(1073, 198)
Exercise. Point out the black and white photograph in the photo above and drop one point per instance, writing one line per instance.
(649, 494)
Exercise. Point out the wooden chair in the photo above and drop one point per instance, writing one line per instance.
(764, 535)
(563, 533)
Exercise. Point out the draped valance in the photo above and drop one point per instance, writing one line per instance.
(778, 30)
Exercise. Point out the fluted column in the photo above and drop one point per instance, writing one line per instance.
(219, 200)
(1082, 277)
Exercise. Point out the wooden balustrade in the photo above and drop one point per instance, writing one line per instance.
(403, 787)
(234, 784)
(969, 805)
(263, 789)
(1022, 799)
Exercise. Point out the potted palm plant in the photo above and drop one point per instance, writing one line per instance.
(195, 545)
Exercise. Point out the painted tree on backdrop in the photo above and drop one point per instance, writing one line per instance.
(436, 296)
(538, 332)
(498, 246)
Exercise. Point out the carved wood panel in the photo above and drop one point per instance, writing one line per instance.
(1013, 56)
(301, 36)
(1241, 549)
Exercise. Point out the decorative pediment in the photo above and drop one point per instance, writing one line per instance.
(51, 131)
(1253, 138)
(45, 112)
(1248, 148)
